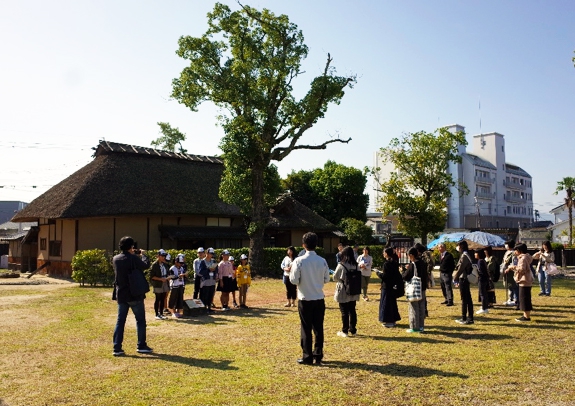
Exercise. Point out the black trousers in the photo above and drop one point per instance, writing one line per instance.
(466, 300)
(311, 314)
(484, 294)
(348, 317)
(197, 283)
(447, 286)
(291, 289)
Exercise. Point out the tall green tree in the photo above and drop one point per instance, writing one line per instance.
(417, 190)
(246, 64)
(171, 139)
(568, 185)
(356, 231)
(334, 191)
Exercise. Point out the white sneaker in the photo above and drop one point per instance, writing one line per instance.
(341, 334)
(482, 311)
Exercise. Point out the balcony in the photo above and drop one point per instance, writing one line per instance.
(512, 185)
(484, 195)
(512, 199)
(483, 179)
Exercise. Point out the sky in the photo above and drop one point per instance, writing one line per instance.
(76, 72)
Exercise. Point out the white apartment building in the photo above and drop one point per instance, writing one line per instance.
(500, 193)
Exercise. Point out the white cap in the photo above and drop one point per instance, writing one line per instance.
(243, 256)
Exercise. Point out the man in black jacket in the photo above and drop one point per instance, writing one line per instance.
(446, 268)
(125, 263)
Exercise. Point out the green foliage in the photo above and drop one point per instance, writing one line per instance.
(555, 246)
(417, 191)
(334, 192)
(171, 138)
(245, 64)
(356, 230)
(567, 184)
(92, 267)
(451, 247)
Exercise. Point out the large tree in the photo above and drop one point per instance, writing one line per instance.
(334, 191)
(416, 191)
(246, 64)
(568, 185)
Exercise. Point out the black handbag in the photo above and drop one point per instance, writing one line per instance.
(137, 282)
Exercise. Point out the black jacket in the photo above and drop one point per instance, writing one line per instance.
(124, 263)
(447, 263)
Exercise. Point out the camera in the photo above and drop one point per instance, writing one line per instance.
(137, 251)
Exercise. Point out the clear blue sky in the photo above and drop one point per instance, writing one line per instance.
(75, 72)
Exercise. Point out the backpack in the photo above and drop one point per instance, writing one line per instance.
(473, 277)
(352, 281)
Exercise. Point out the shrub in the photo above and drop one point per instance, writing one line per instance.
(92, 267)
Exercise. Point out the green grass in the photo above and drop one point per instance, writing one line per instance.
(55, 349)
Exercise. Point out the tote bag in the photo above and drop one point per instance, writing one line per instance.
(551, 269)
(413, 287)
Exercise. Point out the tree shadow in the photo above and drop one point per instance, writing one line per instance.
(224, 365)
(394, 369)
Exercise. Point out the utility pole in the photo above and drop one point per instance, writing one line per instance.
(477, 214)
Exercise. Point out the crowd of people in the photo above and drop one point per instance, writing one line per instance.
(305, 274)
(168, 283)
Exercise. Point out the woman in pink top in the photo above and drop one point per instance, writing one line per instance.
(226, 279)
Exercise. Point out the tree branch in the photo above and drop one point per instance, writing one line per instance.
(281, 152)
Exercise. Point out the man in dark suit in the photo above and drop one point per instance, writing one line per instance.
(446, 268)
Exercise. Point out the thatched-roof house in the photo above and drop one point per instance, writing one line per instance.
(162, 199)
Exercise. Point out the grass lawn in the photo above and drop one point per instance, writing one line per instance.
(56, 349)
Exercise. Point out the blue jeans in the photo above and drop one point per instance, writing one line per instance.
(544, 282)
(140, 314)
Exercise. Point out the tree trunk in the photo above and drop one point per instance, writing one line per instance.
(424, 239)
(259, 220)
(570, 207)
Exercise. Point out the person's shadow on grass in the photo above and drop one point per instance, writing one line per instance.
(394, 369)
(223, 365)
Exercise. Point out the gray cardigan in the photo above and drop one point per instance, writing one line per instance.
(340, 296)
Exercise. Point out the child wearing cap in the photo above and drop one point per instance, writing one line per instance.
(196, 269)
(159, 280)
(226, 279)
(235, 287)
(209, 275)
(176, 301)
(244, 279)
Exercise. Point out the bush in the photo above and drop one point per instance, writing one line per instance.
(92, 267)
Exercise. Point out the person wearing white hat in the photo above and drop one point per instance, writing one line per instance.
(196, 269)
(235, 287)
(209, 275)
(226, 279)
(244, 279)
(159, 279)
(176, 301)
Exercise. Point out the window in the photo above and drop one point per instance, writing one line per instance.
(218, 222)
(55, 248)
(43, 244)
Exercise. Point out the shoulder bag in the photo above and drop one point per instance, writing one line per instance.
(413, 287)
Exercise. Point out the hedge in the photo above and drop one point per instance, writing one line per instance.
(94, 267)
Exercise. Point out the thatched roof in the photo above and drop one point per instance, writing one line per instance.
(125, 180)
(288, 213)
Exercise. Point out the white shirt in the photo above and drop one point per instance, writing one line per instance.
(309, 272)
